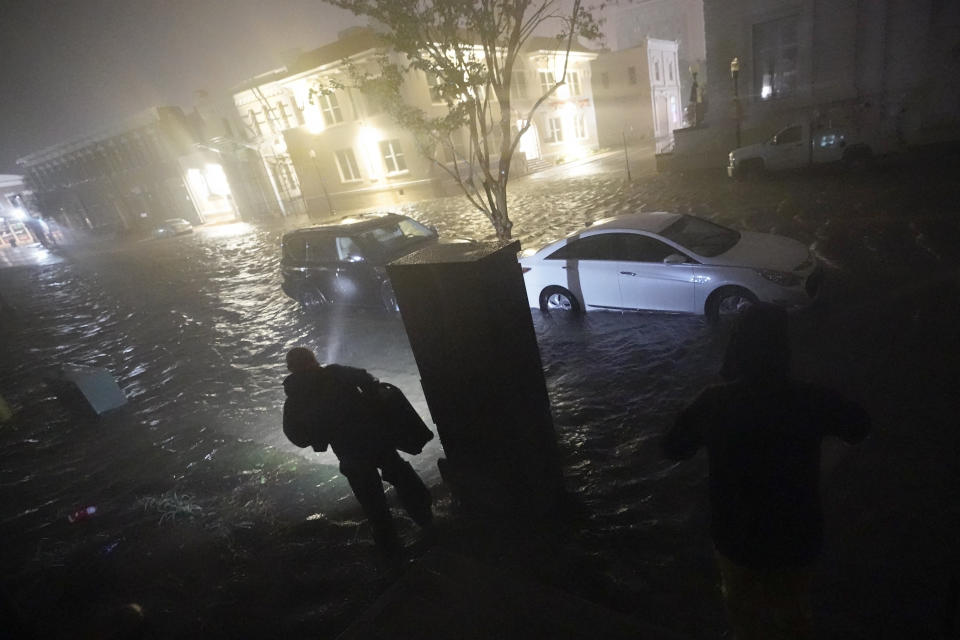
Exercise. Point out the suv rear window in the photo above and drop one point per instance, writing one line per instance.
(392, 238)
(309, 249)
(294, 250)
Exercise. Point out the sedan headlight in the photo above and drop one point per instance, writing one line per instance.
(780, 277)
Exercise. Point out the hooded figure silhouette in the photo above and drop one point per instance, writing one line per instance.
(762, 430)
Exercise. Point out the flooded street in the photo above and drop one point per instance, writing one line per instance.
(201, 499)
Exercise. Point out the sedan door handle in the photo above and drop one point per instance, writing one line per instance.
(627, 273)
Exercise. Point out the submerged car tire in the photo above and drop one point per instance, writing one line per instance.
(727, 301)
(311, 299)
(559, 299)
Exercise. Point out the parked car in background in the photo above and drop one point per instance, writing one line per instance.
(172, 227)
(798, 146)
(344, 262)
(668, 262)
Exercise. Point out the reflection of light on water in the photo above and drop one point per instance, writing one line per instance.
(228, 230)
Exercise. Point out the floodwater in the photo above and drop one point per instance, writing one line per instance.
(194, 329)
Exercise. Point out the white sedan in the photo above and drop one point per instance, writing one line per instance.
(668, 262)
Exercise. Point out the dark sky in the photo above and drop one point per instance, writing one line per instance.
(70, 66)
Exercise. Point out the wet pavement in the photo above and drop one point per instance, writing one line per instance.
(211, 521)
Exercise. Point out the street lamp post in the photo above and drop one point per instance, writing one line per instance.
(323, 185)
(735, 76)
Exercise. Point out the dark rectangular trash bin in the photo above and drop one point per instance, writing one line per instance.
(465, 310)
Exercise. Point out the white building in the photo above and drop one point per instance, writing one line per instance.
(638, 96)
(329, 147)
(890, 68)
(14, 211)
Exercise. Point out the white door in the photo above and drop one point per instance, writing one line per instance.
(647, 282)
(529, 141)
(588, 268)
(787, 149)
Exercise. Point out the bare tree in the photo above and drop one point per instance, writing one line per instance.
(469, 50)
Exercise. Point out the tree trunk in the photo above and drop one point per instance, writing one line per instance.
(498, 212)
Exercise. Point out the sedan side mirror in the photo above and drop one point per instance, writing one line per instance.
(675, 258)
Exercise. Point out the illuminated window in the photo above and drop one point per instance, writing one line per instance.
(347, 164)
(574, 83)
(284, 112)
(393, 156)
(546, 81)
(554, 131)
(261, 119)
(330, 108)
(632, 75)
(433, 83)
(580, 126)
(519, 85)
(775, 51)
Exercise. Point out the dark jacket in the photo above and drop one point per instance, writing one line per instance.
(763, 443)
(333, 406)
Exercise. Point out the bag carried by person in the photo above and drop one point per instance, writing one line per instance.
(403, 424)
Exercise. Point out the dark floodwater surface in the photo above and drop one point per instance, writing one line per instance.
(195, 329)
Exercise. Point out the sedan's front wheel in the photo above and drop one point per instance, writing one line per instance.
(558, 299)
(726, 302)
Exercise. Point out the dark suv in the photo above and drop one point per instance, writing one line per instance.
(343, 262)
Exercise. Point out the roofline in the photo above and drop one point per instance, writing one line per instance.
(380, 216)
(139, 120)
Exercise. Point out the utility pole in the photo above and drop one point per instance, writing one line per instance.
(626, 157)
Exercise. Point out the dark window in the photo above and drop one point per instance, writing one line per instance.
(775, 51)
(638, 248)
(294, 250)
(598, 247)
(348, 249)
(789, 135)
(320, 249)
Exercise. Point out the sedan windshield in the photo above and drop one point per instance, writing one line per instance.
(701, 236)
(393, 239)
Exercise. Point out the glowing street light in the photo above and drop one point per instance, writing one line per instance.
(735, 76)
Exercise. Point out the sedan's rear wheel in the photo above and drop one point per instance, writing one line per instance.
(727, 302)
(558, 299)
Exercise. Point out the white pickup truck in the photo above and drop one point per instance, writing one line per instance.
(793, 147)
